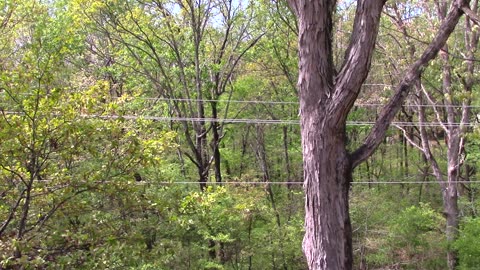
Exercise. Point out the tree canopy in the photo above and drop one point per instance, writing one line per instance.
(217, 134)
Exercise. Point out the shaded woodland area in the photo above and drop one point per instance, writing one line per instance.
(162, 134)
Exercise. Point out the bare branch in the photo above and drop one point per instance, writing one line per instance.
(471, 15)
(387, 114)
(437, 114)
(12, 212)
(410, 141)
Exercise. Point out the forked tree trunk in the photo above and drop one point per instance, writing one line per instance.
(326, 97)
(325, 101)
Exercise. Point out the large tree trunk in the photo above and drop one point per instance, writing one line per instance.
(326, 97)
(327, 171)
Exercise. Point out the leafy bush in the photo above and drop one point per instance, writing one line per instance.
(468, 244)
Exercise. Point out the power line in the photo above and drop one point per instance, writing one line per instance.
(272, 121)
(256, 120)
(362, 182)
(219, 100)
(268, 102)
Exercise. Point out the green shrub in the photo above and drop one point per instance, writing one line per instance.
(468, 244)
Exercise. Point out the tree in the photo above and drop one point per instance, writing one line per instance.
(326, 98)
(58, 150)
(188, 52)
(450, 97)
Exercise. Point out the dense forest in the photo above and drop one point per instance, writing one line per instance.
(165, 134)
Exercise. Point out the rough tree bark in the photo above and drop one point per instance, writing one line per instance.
(326, 97)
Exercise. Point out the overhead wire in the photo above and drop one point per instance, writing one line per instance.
(301, 183)
(266, 121)
(364, 182)
(360, 182)
(256, 120)
(269, 102)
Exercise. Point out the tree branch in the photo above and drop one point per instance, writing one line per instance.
(358, 56)
(387, 114)
(470, 14)
(293, 4)
(315, 52)
(409, 140)
(12, 212)
(434, 106)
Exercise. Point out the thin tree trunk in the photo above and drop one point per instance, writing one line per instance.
(250, 225)
(449, 187)
(424, 177)
(215, 144)
(23, 220)
(286, 156)
(451, 212)
(244, 149)
(262, 159)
